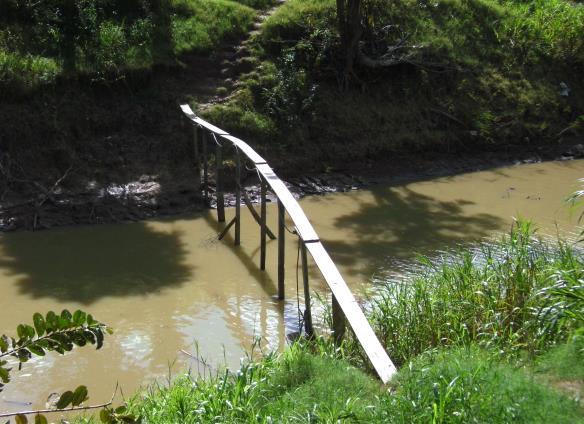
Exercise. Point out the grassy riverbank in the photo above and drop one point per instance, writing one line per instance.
(478, 74)
(495, 335)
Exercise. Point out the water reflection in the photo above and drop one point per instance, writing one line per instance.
(398, 218)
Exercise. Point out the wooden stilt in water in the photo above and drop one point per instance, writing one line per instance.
(307, 310)
(205, 170)
(219, 180)
(196, 137)
(281, 247)
(237, 198)
(263, 225)
(339, 324)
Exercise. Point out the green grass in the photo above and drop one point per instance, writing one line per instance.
(488, 73)
(111, 40)
(303, 385)
(203, 24)
(564, 362)
(295, 386)
(470, 385)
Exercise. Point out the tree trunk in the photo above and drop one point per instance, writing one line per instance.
(69, 30)
(350, 31)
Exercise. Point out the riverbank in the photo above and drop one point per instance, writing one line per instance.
(178, 193)
(514, 352)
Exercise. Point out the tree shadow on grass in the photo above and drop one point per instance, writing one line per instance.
(87, 264)
(400, 223)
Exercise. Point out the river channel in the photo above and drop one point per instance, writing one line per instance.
(168, 286)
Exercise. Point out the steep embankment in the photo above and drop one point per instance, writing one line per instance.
(107, 142)
(465, 77)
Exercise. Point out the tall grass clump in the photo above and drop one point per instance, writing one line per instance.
(514, 295)
(299, 385)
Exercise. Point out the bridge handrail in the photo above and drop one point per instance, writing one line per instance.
(377, 355)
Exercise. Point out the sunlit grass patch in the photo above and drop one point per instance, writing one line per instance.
(470, 385)
(296, 386)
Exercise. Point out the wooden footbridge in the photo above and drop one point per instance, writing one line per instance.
(344, 306)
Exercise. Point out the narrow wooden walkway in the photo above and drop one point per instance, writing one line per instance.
(344, 305)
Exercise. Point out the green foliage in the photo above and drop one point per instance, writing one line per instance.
(309, 383)
(294, 21)
(50, 333)
(257, 4)
(576, 198)
(470, 385)
(292, 97)
(546, 29)
(513, 298)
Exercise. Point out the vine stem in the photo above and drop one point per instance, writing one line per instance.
(49, 411)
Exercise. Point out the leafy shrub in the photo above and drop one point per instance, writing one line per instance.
(50, 333)
(291, 98)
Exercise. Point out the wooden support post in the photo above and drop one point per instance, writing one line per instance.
(281, 248)
(196, 138)
(219, 181)
(339, 324)
(263, 225)
(307, 312)
(205, 169)
(237, 198)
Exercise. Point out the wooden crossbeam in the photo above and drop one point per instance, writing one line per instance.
(255, 215)
(226, 229)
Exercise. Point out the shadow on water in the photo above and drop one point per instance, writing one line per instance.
(400, 222)
(246, 259)
(86, 265)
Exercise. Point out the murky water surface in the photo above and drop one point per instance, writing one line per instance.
(166, 286)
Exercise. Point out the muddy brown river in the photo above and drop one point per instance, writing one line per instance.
(169, 285)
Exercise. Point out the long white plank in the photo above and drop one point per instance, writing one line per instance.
(353, 313)
(367, 338)
(245, 148)
(301, 222)
(191, 115)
